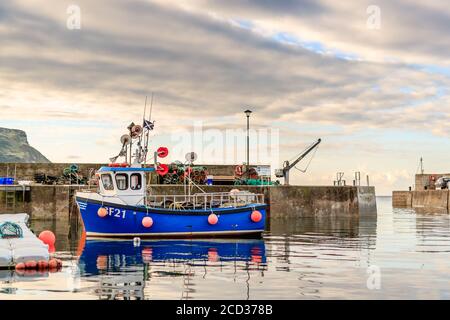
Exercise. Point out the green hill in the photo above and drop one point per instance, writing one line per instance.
(14, 147)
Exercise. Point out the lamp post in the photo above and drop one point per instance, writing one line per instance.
(247, 113)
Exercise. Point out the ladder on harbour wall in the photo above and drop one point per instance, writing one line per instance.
(10, 199)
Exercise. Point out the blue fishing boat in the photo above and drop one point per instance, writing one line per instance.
(123, 207)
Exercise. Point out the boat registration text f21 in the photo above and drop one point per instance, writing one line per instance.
(116, 213)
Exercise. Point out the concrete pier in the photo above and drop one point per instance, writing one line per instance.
(425, 200)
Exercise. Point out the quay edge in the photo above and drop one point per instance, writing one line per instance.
(48, 202)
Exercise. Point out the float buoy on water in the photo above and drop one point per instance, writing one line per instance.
(42, 265)
(20, 266)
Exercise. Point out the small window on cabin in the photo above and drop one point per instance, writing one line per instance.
(122, 181)
(107, 182)
(135, 181)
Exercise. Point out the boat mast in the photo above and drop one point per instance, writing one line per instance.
(148, 130)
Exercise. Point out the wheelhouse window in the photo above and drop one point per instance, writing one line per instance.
(107, 181)
(122, 181)
(135, 181)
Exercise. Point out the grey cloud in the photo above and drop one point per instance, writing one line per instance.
(200, 66)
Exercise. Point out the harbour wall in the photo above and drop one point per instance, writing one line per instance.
(45, 202)
(437, 200)
(26, 171)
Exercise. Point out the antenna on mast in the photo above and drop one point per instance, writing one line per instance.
(148, 129)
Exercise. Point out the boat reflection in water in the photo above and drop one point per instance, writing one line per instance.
(124, 269)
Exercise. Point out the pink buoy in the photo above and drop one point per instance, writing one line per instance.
(147, 222)
(256, 216)
(213, 219)
(47, 237)
(102, 212)
(20, 266)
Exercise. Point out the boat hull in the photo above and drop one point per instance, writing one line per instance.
(126, 221)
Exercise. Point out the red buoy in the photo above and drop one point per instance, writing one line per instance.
(53, 264)
(30, 264)
(147, 222)
(102, 212)
(162, 169)
(256, 216)
(20, 266)
(47, 237)
(162, 152)
(213, 219)
(42, 265)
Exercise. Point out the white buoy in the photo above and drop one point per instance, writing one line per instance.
(137, 241)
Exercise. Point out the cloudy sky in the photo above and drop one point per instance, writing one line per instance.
(375, 90)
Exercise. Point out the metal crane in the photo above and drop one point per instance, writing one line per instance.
(284, 173)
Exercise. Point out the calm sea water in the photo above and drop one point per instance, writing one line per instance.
(396, 254)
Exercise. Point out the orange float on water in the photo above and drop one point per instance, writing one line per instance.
(102, 212)
(47, 237)
(256, 216)
(30, 264)
(20, 266)
(42, 264)
(213, 219)
(53, 264)
(147, 222)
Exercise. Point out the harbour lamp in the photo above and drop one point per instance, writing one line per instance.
(247, 113)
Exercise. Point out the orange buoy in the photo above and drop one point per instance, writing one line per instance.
(147, 222)
(20, 266)
(30, 264)
(102, 212)
(53, 264)
(213, 219)
(47, 237)
(256, 216)
(42, 264)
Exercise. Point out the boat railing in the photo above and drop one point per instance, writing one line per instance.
(205, 200)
